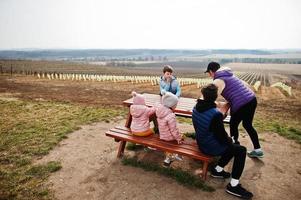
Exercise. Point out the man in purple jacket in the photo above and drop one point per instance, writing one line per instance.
(242, 101)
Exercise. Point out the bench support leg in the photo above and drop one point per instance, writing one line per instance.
(205, 169)
(121, 149)
(153, 118)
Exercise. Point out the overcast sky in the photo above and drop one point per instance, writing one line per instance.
(160, 24)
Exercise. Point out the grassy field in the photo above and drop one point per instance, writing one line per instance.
(37, 114)
(28, 131)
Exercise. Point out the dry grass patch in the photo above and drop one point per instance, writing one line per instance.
(29, 130)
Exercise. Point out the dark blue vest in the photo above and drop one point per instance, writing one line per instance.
(206, 140)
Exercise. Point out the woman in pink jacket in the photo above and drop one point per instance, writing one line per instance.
(167, 123)
(140, 116)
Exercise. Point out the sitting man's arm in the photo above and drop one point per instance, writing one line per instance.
(218, 129)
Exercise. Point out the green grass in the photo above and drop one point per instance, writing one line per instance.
(133, 147)
(185, 120)
(289, 130)
(190, 135)
(29, 130)
(182, 177)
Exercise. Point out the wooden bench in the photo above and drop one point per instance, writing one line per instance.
(123, 135)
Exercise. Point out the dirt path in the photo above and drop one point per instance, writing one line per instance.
(90, 170)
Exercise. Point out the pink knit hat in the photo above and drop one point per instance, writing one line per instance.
(138, 99)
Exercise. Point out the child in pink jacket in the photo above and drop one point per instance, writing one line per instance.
(140, 116)
(167, 123)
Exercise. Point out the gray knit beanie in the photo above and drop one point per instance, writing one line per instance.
(169, 99)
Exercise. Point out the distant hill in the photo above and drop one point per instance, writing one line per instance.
(134, 57)
(99, 54)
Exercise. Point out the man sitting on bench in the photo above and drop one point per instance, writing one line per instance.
(212, 139)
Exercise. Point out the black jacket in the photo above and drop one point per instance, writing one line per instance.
(216, 125)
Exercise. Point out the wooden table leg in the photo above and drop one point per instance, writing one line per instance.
(121, 149)
(153, 118)
(128, 120)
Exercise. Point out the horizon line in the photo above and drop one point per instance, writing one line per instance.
(191, 49)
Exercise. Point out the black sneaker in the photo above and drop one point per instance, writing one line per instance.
(239, 191)
(236, 142)
(222, 174)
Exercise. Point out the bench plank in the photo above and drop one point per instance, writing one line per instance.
(162, 145)
(190, 146)
(123, 134)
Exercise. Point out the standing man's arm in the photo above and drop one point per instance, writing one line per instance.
(223, 107)
(220, 84)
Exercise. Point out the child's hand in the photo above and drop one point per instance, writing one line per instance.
(181, 141)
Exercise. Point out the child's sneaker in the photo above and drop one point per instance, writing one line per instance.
(255, 154)
(177, 157)
(167, 162)
(239, 191)
(222, 174)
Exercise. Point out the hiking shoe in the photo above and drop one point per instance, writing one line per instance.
(222, 174)
(177, 157)
(239, 191)
(255, 154)
(167, 162)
